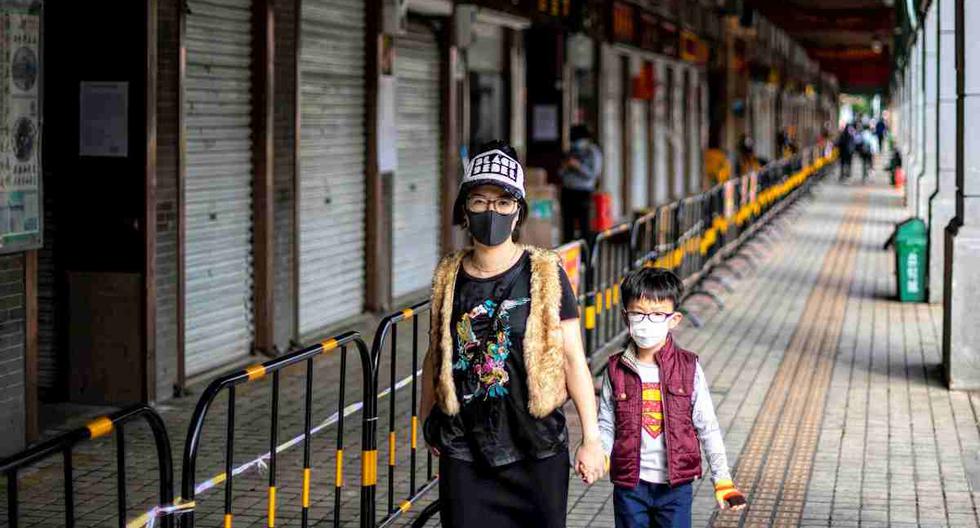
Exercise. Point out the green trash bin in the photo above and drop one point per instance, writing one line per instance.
(911, 244)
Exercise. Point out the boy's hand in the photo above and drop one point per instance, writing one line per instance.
(728, 496)
(590, 461)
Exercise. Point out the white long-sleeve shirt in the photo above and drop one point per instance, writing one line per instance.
(653, 453)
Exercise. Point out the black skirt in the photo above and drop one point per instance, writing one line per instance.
(529, 493)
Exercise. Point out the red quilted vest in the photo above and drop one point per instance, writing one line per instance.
(677, 368)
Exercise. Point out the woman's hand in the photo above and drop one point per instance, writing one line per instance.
(590, 461)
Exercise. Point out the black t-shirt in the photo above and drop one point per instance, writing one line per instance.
(494, 426)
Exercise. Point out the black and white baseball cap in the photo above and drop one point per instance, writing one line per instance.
(494, 167)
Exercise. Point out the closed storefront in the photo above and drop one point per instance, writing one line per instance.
(217, 190)
(639, 110)
(763, 114)
(332, 164)
(661, 139)
(611, 123)
(416, 188)
(692, 119)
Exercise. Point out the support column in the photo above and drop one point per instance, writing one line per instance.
(912, 170)
(942, 204)
(961, 303)
(927, 183)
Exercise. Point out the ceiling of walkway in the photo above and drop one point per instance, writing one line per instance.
(852, 39)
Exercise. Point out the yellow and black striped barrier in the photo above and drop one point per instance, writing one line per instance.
(190, 488)
(386, 347)
(64, 445)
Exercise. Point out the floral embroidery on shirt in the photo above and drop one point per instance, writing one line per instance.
(653, 410)
(487, 361)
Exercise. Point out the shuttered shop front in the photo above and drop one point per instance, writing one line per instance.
(612, 127)
(332, 163)
(416, 184)
(217, 185)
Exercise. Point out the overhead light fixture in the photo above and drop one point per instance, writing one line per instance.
(877, 46)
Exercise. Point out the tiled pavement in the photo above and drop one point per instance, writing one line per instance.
(864, 432)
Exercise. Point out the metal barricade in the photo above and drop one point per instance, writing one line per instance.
(386, 340)
(192, 447)
(611, 259)
(575, 260)
(63, 444)
(643, 239)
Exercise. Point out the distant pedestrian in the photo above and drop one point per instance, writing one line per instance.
(580, 172)
(866, 149)
(881, 130)
(845, 150)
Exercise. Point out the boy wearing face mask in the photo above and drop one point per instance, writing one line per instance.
(655, 413)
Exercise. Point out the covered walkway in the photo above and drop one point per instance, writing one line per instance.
(829, 391)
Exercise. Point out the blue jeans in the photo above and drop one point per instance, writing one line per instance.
(653, 505)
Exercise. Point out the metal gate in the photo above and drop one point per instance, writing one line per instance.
(332, 163)
(217, 184)
(416, 215)
(612, 127)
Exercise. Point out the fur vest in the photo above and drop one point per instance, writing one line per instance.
(544, 351)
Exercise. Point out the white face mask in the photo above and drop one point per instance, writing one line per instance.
(581, 144)
(648, 334)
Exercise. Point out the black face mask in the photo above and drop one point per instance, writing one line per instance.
(490, 228)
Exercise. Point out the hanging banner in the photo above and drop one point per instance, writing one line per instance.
(20, 134)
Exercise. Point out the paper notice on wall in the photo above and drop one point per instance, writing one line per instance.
(20, 133)
(103, 119)
(387, 124)
(545, 123)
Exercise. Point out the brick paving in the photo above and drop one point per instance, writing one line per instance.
(868, 435)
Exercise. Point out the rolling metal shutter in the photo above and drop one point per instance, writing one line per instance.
(416, 187)
(218, 185)
(639, 195)
(692, 137)
(612, 128)
(660, 140)
(332, 163)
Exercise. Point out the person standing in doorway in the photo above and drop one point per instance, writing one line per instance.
(505, 352)
(580, 171)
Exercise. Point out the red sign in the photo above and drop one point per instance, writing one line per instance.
(643, 83)
(623, 22)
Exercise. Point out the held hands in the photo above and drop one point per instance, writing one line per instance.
(590, 461)
(728, 496)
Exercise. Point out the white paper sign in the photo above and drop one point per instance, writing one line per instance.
(387, 124)
(104, 119)
(545, 123)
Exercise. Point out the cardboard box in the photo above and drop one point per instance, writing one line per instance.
(535, 177)
(540, 233)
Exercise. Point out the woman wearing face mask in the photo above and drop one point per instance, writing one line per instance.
(579, 173)
(505, 353)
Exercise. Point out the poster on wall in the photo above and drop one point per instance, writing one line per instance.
(20, 134)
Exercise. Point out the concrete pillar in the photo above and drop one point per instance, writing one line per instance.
(942, 203)
(961, 299)
(915, 129)
(927, 183)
